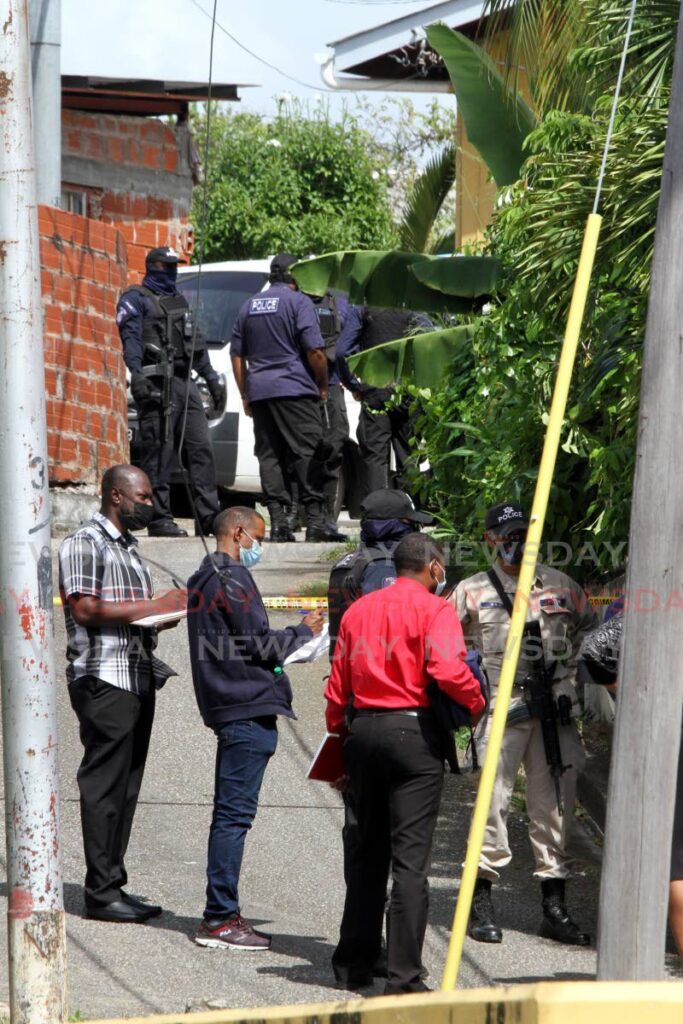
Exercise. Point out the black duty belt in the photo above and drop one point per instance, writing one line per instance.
(409, 712)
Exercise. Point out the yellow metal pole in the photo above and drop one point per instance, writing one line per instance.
(526, 577)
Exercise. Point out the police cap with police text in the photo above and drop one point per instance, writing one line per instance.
(164, 254)
(505, 518)
(387, 503)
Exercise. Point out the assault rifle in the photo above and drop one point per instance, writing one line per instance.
(539, 701)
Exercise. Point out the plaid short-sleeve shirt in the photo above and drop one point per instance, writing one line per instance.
(100, 561)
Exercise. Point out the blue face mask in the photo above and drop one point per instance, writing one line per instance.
(440, 584)
(250, 556)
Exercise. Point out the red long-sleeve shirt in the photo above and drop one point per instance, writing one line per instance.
(392, 643)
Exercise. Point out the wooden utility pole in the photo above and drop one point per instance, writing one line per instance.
(634, 892)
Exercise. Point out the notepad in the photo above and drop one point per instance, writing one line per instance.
(158, 620)
(328, 763)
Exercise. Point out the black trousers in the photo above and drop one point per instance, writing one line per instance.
(288, 433)
(396, 775)
(115, 727)
(156, 456)
(378, 432)
(335, 434)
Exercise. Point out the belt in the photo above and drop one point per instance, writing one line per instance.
(408, 712)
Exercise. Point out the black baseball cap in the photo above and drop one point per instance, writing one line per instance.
(279, 267)
(505, 518)
(387, 503)
(164, 254)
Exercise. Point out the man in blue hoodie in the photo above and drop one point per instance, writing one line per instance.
(241, 689)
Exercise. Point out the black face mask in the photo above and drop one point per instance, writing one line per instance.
(511, 551)
(163, 280)
(138, 517)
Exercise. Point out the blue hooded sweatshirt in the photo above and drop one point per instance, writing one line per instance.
(236, 657)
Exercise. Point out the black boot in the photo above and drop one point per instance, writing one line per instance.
(280, 532)
(556, 923)
(483, 926)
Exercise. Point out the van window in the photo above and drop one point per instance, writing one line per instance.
(221, 294)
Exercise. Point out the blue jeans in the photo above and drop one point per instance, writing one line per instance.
(244, 749)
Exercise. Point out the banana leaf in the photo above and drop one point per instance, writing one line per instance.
(422, 359)
(497, 120)
(388, 279)
(465, 276)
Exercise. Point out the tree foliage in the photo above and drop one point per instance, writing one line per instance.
(301, 183)
(484, 429)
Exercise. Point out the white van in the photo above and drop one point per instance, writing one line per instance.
(223, 288)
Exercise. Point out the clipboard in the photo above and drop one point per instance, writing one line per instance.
(328, 763)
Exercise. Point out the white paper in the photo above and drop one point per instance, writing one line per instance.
(158, 620)
(313, 649)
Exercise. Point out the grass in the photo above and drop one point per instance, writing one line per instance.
(318, 588)
(335, 553)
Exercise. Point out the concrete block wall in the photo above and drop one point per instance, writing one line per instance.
(136, 174)
(83, 271)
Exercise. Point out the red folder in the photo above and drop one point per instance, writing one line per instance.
(328, 763)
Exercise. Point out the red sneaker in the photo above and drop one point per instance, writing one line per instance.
(236, 933)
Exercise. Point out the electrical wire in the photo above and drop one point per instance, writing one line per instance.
(261, 60)
(615, 103)
(537, 520)
(224, 575)
(369, 87)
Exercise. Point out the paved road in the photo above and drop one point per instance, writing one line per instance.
(292, 878)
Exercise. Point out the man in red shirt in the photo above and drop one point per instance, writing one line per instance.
(392, 643)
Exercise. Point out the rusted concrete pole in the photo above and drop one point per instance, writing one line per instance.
(29, 725)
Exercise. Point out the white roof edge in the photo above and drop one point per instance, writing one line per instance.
(373, 42)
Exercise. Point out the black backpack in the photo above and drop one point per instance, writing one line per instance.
(345, 586)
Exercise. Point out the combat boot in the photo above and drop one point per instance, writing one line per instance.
(483, 926)
(556, 923)
(280, 532)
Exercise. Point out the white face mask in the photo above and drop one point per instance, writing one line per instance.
(440, 584)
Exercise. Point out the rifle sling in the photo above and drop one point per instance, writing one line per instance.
(530, 628)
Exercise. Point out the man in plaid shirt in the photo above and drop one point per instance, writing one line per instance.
(113, 676)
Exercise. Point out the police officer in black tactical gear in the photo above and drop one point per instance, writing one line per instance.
(280, 368)
(156, 328)
(332, 311)
(379, 427)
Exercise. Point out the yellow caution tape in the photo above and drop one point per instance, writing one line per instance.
(274, 604)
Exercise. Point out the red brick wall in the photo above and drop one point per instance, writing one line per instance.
(146, 218)
(84, 270)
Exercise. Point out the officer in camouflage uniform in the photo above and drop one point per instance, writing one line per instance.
(565, 617)
(155, 325)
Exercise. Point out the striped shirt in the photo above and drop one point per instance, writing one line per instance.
(100, 561)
